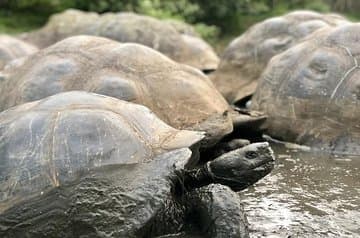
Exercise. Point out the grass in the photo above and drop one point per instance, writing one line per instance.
(13, 23)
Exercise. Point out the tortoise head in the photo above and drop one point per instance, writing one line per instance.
(242, 167)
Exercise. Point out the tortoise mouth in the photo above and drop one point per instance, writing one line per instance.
(265, 164)
(254, 175)
(264, 168)
(266, 159)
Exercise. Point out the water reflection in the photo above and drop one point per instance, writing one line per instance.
(309, 194)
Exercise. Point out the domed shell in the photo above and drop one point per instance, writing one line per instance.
(127, 27)
(47, 143)
(311, 91)
(246, 57)
(180, 95)
(12, 48)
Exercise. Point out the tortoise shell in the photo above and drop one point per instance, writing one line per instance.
(128, 27)
(12, 48)
(47, 143)
(180, 95)
(245, 58)
(311, 91)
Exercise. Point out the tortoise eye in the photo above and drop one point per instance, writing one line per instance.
(251, 154)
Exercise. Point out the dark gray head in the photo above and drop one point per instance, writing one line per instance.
(243, 167)
(237, 169)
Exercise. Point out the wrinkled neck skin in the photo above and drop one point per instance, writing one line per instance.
(195, 178)
(199, 208)
(173, 218)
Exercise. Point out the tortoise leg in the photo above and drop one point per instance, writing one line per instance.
(216, 211)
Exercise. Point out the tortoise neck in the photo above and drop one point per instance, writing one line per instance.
(197, 178)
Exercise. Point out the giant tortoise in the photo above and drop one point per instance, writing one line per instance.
(245, 58)
(311, 91)
(128, 27)
(78, 164)
(180, 95)
(12, 48)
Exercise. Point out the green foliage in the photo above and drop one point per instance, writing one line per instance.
(318, 6)
(211, 18)
(210, 33)
(20, 22)
(44, 7)
(105, 5)
(180, 9)
(219, 13)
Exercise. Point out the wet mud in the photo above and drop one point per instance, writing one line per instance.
(308, 194)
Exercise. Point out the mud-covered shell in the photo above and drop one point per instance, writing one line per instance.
(311, 91)
(180, 95)
(47, 143)
(12, 48)
(127, 27)
(120, 200)
(246, 57)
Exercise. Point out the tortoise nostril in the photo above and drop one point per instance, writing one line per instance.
(251, 154)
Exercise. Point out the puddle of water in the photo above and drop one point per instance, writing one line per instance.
(308, 194)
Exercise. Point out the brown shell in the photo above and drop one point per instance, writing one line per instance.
(246, 57)
(180, 95)
(128, 27)
(311, 91)
(12, 48)
(56, 140)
